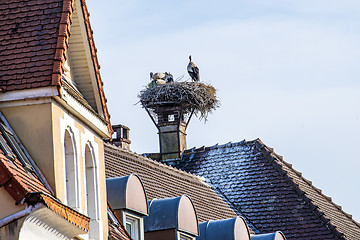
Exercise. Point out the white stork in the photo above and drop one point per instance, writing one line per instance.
(193, 70)
(169, 77)
(158, 77)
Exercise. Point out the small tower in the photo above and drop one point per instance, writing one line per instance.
(171, 106)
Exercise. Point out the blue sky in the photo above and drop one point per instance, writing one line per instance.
(286, 72)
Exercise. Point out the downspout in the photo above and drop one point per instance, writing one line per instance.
(27, 211)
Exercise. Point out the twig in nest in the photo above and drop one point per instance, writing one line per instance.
(190, 95)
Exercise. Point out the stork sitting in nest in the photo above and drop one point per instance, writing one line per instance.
(160, 78)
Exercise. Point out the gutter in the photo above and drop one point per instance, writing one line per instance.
(27, 211)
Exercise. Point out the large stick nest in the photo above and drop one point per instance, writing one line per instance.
(191, 96)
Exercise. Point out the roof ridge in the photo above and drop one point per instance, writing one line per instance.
(194, 177)
(228, 144)
(271, 156)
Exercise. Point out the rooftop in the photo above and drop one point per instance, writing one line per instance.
(163, 181)
(268, 192)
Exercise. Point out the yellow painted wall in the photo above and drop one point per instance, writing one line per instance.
(33, 125)
(102, 180)
(8, 206)
(40, 128)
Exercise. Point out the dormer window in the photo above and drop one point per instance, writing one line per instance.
(126, 195)
(184, 236)
(171, 219)
(133, 225)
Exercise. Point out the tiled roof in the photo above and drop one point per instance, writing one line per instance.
(29, 33)
(23, 183)
(162, 181)
(117, 232)
(16, 180)
(33, 38)
(116, 228)
(67, 213)
(269, 192)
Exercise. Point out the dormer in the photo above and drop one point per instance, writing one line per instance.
(171, 219)
(81, 69)
(224, 229)
(127, 197)
(269, 236)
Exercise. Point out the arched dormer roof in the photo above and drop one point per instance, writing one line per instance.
(127, 193)
(225, 229)
(269, 236)
(172, 213)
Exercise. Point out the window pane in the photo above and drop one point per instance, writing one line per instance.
(128, 228)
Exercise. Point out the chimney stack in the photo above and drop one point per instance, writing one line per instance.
(171, 121)
(122, 136)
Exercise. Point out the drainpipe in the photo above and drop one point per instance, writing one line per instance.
(27, 211)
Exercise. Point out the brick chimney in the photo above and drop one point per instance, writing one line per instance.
(121, 138)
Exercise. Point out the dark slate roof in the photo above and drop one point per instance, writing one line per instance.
(33, 38)
(269, 192)
(163, 181)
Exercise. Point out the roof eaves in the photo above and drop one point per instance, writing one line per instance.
(277, 161)
(12, 182)
(63, 44)
(79, 220)
(96, 65)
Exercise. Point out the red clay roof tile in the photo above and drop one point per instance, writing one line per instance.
(36, 31)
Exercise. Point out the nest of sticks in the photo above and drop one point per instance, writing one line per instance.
(191, 96)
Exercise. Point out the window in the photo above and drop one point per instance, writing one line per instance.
(184, 236)
(15, 144)
(134, 225)
(71, 172)
(125, 133)
(91, 184)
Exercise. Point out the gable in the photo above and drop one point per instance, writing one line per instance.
(80, 62)
(39, 43)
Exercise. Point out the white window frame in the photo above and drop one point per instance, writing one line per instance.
(184, 236)
(72, 197)
(136, 222)
(92, 206)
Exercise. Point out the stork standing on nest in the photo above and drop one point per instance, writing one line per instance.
(193, 71)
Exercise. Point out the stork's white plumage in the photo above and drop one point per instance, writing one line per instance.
(193, 71)
(159, 75)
